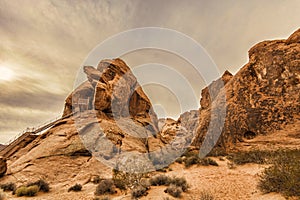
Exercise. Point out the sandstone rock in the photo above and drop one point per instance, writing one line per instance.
(81, 98)
(113, 89)
(294, 38)
(3, 166)
(209, 93)
(262, 97)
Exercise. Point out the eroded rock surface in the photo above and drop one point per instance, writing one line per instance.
(262, 97)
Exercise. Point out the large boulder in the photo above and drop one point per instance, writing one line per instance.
(262, 97)
(112, 89)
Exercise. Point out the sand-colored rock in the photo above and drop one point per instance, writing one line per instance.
(262, 97)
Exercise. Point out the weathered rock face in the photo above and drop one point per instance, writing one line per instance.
(112, 89)
(116, 117)
(3, 166)
(209, 93)
(262, 97)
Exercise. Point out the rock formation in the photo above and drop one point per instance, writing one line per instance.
(113, 90)
(113, 119)
(262, 97)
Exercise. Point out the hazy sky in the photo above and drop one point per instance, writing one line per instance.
(43, 43)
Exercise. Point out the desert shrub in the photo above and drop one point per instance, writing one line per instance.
(231, 165)
(284, 175)
(206, 195)
(174, 190)
(208, 161)
(180, 182)
(2, 195)
(119, 183)
(76, 188)
(193, 160)
(43, 185)
(160, 180)
(102, 198)
(217, 151)
(139, 191)
(123, 180)
(179, 160)
(254, 156)
(8, 186)
(145, 183)
(96, 179)
(27, 191)
(105, 187)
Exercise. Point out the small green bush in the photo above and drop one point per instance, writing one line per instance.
(139, 191)
(120, 184)
(174, 191)
(105, 187)
(180, 182)
(102, 198)
(179, 160)
(145, 183)
(206, 195)
(8, 187)
(160, 180)
(284, 175)
(76, 188)
(207, 162)
(254, 156)
(42, 184)
(96, 179)
(193, 160)
(27, 191)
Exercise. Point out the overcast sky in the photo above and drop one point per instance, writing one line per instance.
(43, 44)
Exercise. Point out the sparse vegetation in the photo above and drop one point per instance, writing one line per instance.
(102, 198)
(105, 187)
(96, 179)
(195, 160)
(76, 188)
(160, 180)
(254, 156)
(217, 151)
(8, 187)
(174, 190)
(122, 180)
(206, 195)
(180, 182)
(139, 191)
(284, 175)
(29, 191)
(42, 185)
(145, 183)
(207, 162)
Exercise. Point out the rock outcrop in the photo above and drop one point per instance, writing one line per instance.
(262, 97)
(113, 90)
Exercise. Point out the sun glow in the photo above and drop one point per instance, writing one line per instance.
(6, 74)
